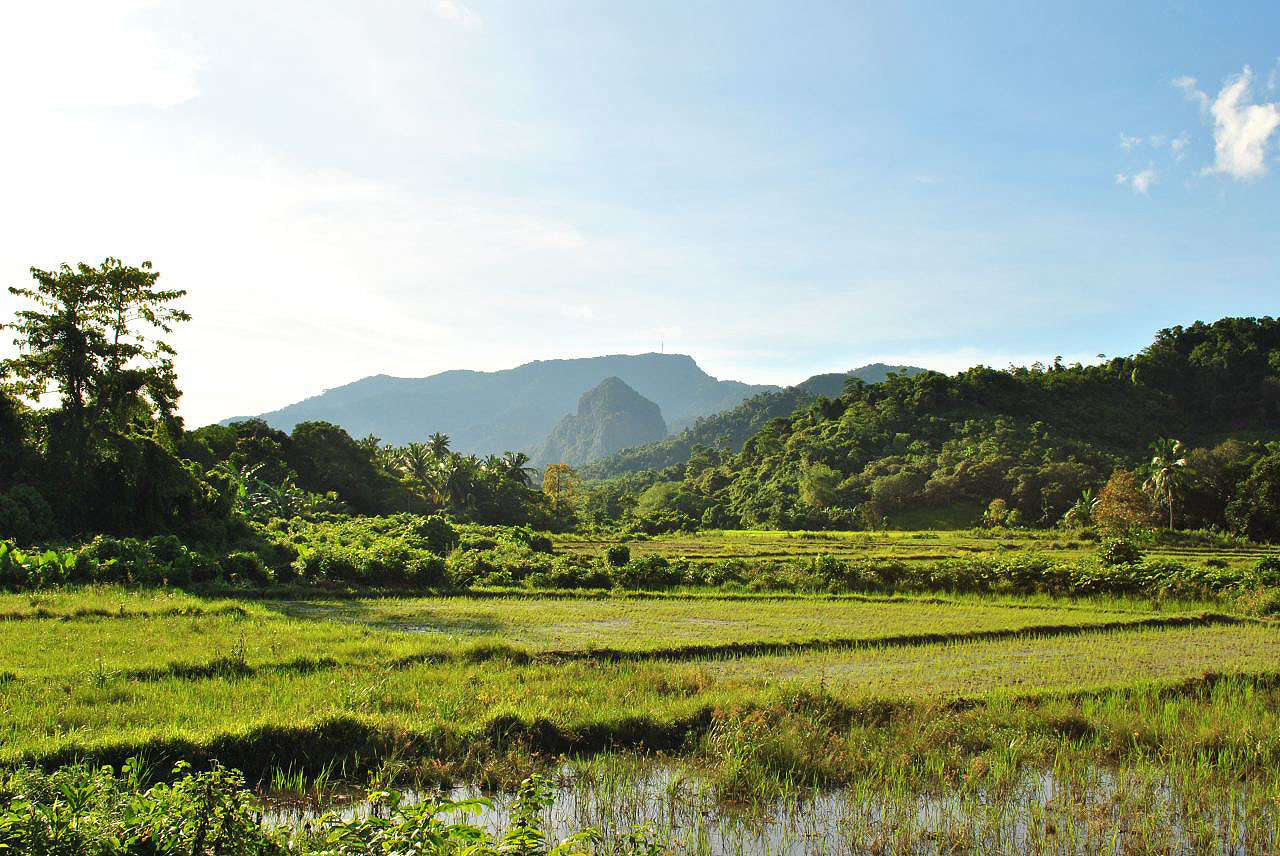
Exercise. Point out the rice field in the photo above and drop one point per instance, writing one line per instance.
(913, 546)
(928, 716)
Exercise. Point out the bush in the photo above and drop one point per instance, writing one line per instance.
(25, 516)
(651, 572)
(1267, 570)
(618, 555)
(1119, 551)
(244, 567)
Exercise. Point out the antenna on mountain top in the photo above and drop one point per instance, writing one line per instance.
(662, 347)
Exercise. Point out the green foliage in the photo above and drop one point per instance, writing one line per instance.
(25, 516)
(1255, 511)
(81, 810)
(1037, 439)
(1119, 551)
(618, 555)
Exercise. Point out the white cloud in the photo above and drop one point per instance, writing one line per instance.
(457, 13)
(1140, 181)
(1158, 140)
(1127, 142)
(582, 312)
(1241, 130)
(1179, 144)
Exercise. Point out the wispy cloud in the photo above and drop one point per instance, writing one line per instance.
(1189, 88)
(1140, 181)
(1127, 142)
(1178, 145)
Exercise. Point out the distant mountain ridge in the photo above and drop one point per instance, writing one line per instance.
(513, 409)
(733, 427)
(610, 416)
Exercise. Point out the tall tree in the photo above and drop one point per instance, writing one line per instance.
(439, 444)
(92, 337)
(515, 466)
(1167, 473)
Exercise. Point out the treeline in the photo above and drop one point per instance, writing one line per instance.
(728, 430)
(111, 456)
(1022, 446)
(1038, 442)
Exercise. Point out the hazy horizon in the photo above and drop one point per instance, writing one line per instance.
(408, 187)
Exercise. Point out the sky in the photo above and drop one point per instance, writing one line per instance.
(777, 189)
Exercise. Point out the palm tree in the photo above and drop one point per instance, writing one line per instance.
(416, 462)
(457, 480)
(1167, 472)
(515, 467)
(438, 444)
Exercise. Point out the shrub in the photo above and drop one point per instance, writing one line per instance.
(1119, 551)
(1267, 570)
(436, 532)
(245, 567)
(618, 555)
(25, 516)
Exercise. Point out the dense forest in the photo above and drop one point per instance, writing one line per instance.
(730, 429)
(1182, 434)
(1022, 445)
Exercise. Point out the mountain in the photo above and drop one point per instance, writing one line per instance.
(611, 416)
(732, 428)
(513, 409)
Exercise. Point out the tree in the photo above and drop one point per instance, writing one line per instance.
(416, 463)
(1255, 511)
(439, 444)
(819, 485)
(92, 337)
(515, 467)
(1121, 504)
(561, 485)
(1167, 473)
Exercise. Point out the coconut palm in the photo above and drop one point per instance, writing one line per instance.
(438, 444)
(416, 462)
(515, 467)
(1167, 473)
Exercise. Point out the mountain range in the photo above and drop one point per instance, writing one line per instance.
(566, 411)
(514, 409)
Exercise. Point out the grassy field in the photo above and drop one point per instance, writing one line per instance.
(905, 546)
(893, 700)
(108, 672)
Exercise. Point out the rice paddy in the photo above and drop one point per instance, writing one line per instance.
(821, 723)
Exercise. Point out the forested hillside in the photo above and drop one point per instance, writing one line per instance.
(729, 429)
(610, 416)
(936, 449)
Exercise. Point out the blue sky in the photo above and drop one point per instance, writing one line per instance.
(775, 189)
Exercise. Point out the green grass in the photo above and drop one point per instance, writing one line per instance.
(105, 634)
(272, 681)
(909, 546)
(1024, 665)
